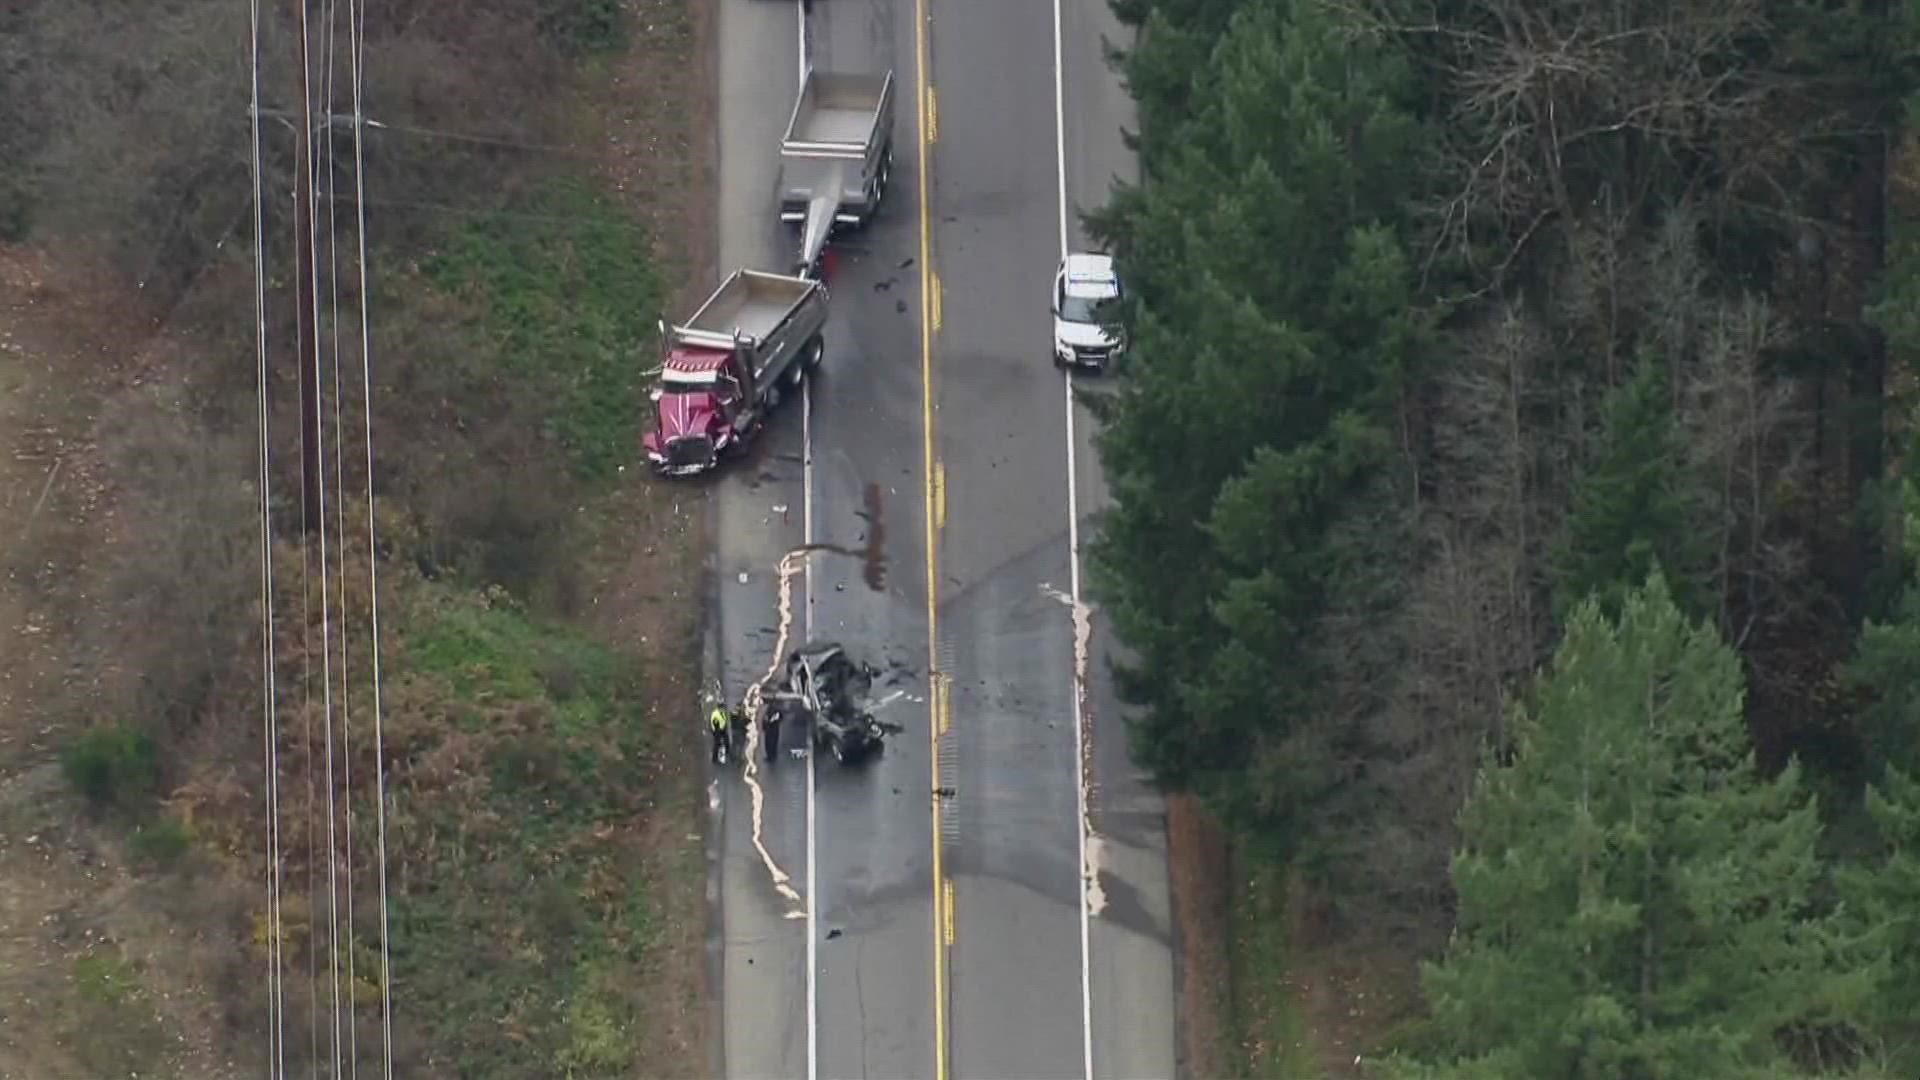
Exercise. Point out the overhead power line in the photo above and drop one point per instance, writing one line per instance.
(269, 718)
(356, 42)
(313, 304)
(330, 55)
(307, 257)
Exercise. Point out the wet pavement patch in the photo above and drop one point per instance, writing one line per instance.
(875, 556)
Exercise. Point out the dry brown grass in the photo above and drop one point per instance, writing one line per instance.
(1268, 986)
(93, 964)
(1197, 858)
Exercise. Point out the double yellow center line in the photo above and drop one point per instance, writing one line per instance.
(933, 477)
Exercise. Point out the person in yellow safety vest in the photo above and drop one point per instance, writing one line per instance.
(717, 724)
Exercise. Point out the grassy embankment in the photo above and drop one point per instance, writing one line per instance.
(542, 848)
(529, 899)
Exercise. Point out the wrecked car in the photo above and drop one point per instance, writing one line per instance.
(833, 693)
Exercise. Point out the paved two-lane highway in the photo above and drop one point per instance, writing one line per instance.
(845, 470)
(949, 935)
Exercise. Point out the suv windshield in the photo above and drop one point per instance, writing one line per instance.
(1083, 309)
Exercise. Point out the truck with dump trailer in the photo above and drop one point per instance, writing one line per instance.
(724, 371)
(836, 158)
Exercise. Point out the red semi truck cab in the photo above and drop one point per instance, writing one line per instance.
(723, 372)
(699, 395)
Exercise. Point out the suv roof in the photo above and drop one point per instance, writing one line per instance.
(1090, 276)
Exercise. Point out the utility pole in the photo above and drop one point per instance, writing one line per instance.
(304, 291)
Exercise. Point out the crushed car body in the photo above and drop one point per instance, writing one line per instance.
(833, 695)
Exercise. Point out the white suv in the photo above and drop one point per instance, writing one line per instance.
(1085, 291)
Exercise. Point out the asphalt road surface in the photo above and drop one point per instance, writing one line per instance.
(951, 934)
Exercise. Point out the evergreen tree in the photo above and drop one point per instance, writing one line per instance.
(1886, 664)
(1886, 660)
(1884, 902)
(1272, 323)
(1630, 511)
(1635, 900)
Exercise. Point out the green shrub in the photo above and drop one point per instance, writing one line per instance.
(16, 211)
(111, 1025)
(160, 843)
(584, 27)
(599, 1034)
(114, 764)
(104, 978)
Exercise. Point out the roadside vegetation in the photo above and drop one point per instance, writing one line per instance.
(1531, 384)
(542, 849)
(526, 899)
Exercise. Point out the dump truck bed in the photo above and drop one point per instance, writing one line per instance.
(837, 112)
(751, 302)
(843, 119)
(836, 156)
(773, 317)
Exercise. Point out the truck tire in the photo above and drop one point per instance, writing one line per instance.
(813, 352)
(772, 400)
(886, 180)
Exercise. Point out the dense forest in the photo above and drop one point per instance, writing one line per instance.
(1527, 383)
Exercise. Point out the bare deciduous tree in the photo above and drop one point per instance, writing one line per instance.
(146, 128)
(184, 555)
(1747, 433)
(1564, 109)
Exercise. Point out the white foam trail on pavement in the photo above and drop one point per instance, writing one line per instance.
(790, 565)
(1082, 649)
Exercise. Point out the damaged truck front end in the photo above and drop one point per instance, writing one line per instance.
(690, 429)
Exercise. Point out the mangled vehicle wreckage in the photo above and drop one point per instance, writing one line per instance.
(832, 694)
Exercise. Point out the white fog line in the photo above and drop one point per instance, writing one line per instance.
(806, 537)
(1080, 617)
(813, 926)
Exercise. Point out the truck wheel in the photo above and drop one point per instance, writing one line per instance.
(773, 398)
(816, 350)
(798, 375)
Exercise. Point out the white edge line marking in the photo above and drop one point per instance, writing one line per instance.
(806, 537)
(1073, 564)
(813, 935)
